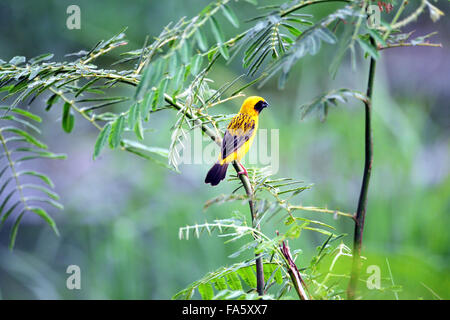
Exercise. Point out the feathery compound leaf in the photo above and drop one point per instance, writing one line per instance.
(20, 146)
(269, 38)
(308, 42)
(321, 103)
(224, 278)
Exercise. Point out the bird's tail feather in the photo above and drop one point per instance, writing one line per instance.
(216, 174)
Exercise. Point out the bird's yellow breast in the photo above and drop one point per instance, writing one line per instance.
(241, 128)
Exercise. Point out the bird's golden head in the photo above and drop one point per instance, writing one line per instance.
(253, 105)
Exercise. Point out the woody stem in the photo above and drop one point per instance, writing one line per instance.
(362, 202)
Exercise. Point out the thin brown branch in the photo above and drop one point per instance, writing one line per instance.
(307, 3)
(399, 45)
(74, 107)
(293, 271)
(244, 180)
(323, 210)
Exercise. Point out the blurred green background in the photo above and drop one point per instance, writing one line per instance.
(122, 213)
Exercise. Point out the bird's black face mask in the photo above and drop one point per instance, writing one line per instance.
(261, 105)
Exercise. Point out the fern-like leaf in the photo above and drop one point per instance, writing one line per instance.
(227, 283)
(322, 103)
(23, 191)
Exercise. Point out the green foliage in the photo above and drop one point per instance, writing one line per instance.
(322, 103)
(280, 191)
(19, 145)
(102, 139)
(228, 283)
(68, 119)
(171, 73)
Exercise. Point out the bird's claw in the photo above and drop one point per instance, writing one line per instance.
(243, 172)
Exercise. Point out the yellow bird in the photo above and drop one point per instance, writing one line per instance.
(237, 139)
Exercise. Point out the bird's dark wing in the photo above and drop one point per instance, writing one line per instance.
(239, 131)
